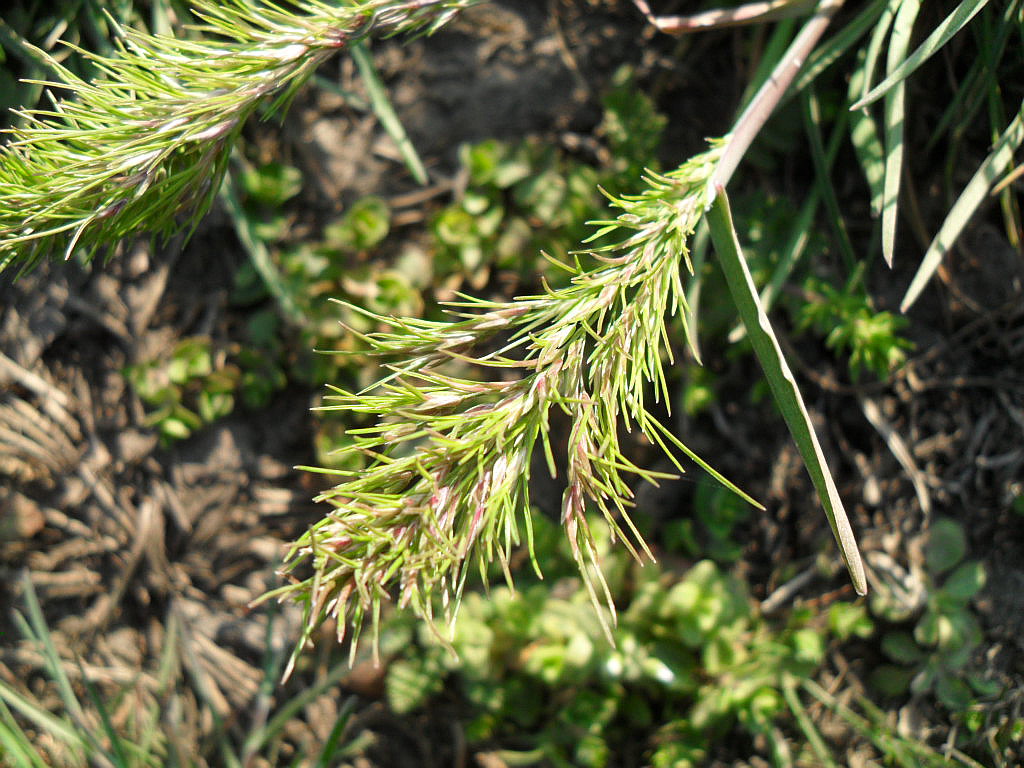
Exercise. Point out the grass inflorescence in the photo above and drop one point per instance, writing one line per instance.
(148, 138)
(448, 485)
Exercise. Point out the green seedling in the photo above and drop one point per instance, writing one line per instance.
(192, 387)
(868, 339)
(847, 620)
(265, 191)
(693, 666)
(526, 197)
(711, 531)
(522, 198)
(937, 653)
(362, 227)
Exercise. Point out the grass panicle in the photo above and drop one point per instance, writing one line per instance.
(146, 142)
(448, 486)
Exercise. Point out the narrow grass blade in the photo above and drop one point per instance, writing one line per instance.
(116, 753)
(259, 254)
(864, 137)
(352, 99)
(217, 738)
(941, 35)
(994, 31)
(332, 746)
(71, 730)
(1009, 205)
(698, 254)
(895, 113)
(873, 51)
(385, 112)
(803, 719)
(295, 705)
(153, 739)
(37, 630)
(799, 232)
(15, 745)
(826, 54)
(15, 752)
(873, 725)
(273, 659)
(974, 193)
(823, 175)
(59, 729)
(780, 379)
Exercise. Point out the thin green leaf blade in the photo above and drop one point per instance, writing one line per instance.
(332, 746)
(781, 381)
(288, 710)
(874, 47)
(16, 748)
(823, 167)
(799, 232)
(39, 632)
(972, 196)
(116, 752)
(864, 137)
(698, 252)
(259, 254)
(942, 34)
(386, 112)
(62, 732)
(982, 79)
(826, 54)
(895, 113)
